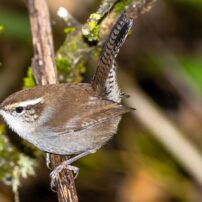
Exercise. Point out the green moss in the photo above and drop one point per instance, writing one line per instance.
(70, 45)
(29, 80)
(63, 65)
(67, 30)
(91, 29)
(81, 68)
(94, 31)
(71, 58)
(120, 6)
(95, 16)
(68, 71)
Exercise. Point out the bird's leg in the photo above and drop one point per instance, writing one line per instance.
(66, 164)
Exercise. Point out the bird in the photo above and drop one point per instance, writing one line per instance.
(73, 118)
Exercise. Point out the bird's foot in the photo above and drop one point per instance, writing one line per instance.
(58, 169)
(67, 164)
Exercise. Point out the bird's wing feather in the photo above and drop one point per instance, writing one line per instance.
(94, 119)
(88, 114)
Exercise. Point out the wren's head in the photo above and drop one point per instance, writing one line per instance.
(21, 110)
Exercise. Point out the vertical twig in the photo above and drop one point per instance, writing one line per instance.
(43, 65)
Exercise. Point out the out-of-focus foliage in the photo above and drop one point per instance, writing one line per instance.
(189, 2)
(18, 28)
(1, 28)
(163, 56)
(13, 164)
(191, 70)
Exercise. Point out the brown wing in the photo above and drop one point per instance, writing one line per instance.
(93, 117)
(83, 109)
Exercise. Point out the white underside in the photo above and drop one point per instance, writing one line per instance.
(70, 143)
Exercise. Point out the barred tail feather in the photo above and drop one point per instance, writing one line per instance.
(104, 80)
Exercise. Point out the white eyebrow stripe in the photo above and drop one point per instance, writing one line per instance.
(31, 102)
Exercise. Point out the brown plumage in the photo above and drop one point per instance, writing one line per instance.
(73, 118)
(81, 110)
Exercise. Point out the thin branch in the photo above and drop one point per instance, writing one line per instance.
(65, 185)
(141, 7)
(68, 18)
(43, 65)
(43, 62)
(105, 7)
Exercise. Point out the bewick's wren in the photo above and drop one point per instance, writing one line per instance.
(72, 118)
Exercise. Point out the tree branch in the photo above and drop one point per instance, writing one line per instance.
(43, 65)
(43, 62)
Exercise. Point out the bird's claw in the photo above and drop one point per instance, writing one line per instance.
(59, 168)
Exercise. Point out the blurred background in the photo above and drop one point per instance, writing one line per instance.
(162, 66)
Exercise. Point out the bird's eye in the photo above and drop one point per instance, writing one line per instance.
(19, 109)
